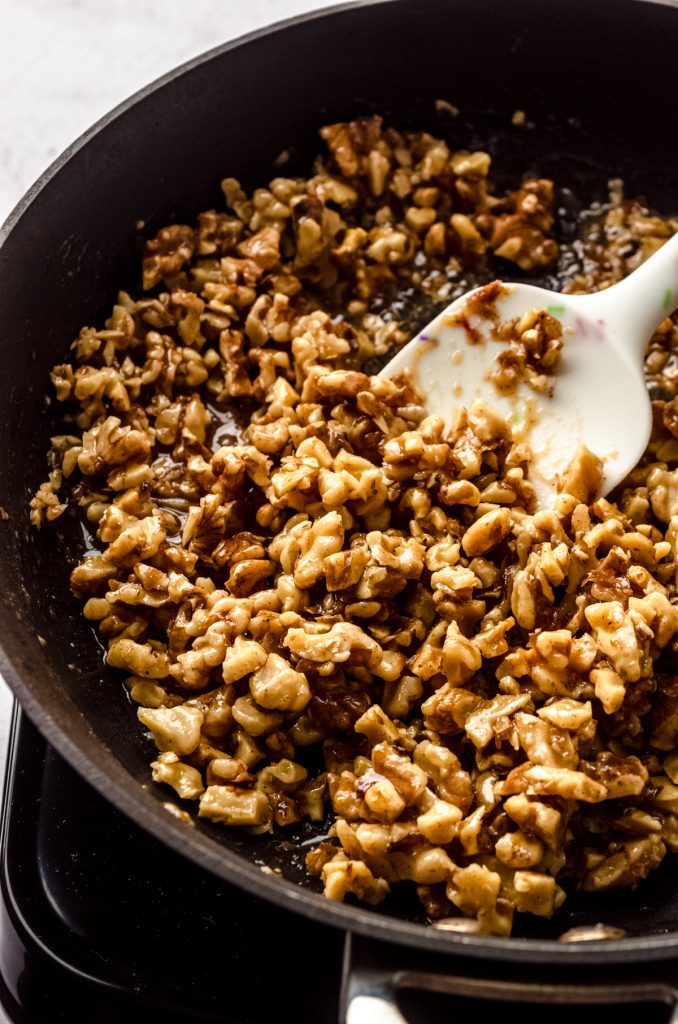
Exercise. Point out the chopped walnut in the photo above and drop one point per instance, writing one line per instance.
(234, 806)
(287, 552)
(584, 475)
(533, 346)
(278, 686)
(174, 729)
(187, 781)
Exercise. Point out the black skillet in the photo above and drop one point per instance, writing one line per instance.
(597, 79)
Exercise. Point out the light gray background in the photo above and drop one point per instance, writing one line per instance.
(65, 63)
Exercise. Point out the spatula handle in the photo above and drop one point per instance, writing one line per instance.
(632, 309)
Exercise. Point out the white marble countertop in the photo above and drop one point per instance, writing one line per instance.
(65, 63)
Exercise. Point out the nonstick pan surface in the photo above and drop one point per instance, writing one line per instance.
(597, 81)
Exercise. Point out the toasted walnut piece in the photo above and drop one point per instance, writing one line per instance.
(584, 475)
(167, 252)
(460, 492)
(138, 543)
(409, 780)
(151, 695)
(310, 797)
(449, 780)
(96, 608)
(345, 568)
(626, 864)
(460, 657)
(664, 717)
(543, 780)
(438, 824)
(545, 743)
(194, 666)
(284, 774)
(381, 797)
(537, 894)
(342, 876)
(487, 531)
(662, 486)
(138, 659)
(470, 831)
(45, 506)
(377, 726)
(317, 858)
(480, 723)
(243, 657)
(254, 720)
(174, 729)
(426, 865)
(519, 850)
(400, 695)
(470, 164)
(247, 575)
(658, 613)
(665, 795)
(234, 806)
(444, 553)
(475, 890)
(536, 817)
(609, 687)
(278, 687)
(224, 769)
(491, 641)
(524, 596)
(343, 641)
(247, 749)
(185, 780)
(325, 537)
(567, 713)
(621, 776)
(216, 708)
(269, 438)
(614, 633)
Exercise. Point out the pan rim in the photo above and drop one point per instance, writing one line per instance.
(136, 803)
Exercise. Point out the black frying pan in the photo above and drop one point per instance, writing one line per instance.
(597, 78)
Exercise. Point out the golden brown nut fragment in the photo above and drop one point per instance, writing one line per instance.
(584, 475)
(234, 806)
(187, 781)
(139, 659)
(487, 532)
(174, 729)
(277, 686)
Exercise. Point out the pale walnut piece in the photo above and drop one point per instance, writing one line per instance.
(584, 475)
(329, 609)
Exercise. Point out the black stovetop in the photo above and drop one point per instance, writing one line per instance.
(102, 924)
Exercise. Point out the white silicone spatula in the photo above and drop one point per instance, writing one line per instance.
(599, 394)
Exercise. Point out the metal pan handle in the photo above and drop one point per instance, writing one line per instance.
(375, 972)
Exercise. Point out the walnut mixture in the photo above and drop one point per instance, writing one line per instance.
(492, 688)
